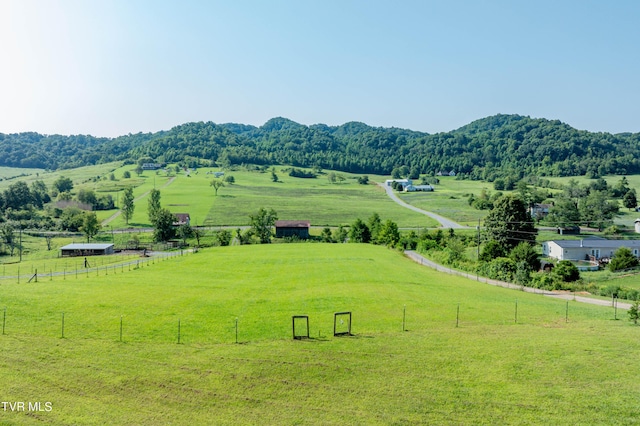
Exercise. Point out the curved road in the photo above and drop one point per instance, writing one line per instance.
(426, 262)
(444, 222)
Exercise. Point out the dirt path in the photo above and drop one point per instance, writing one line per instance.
(565, 296)
(139, 197)
(444, 222)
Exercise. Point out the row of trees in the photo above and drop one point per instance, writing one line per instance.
(502, 146)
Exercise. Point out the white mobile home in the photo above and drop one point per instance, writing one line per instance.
(589, 248)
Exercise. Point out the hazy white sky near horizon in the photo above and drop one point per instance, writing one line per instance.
(109, 68)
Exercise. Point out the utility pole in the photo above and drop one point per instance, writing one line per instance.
(478, 228)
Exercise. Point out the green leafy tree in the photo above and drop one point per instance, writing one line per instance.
(87, 196)
(7, 232)
(492, 250)
(63, 184)
(522, 275)
(198, 234)
(223, 237)
(574, 191)
(566, 271)
(128, 205)
(184, 232)
(326, 236)
(374, 224)
(71, 219)
(359, 232)
(18, 196)
(139, 170)
(363, 180)
(388, 234)
(341, 234)
(230, 179)
(564, 213)
(622, 259)
(630, 200)
(509, 223)
(39, 193)
(621, 188)
(595, 209)
(262, 224)
(90, 226)
(163, 226)
(154, 205)
(526, 253)
(274, 176)
(65, 196)
(216, 184)
(126, 174)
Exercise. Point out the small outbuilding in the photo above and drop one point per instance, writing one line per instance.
(182, 219)
(95, 249)
(291, 228)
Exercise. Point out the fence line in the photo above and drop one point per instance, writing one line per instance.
(33, 275)
(416, 257)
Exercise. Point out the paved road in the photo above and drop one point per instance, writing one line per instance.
(444, 222)
(557, 295)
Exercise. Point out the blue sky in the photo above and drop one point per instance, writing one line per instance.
(114, 67)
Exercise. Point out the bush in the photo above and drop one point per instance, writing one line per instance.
(502, 268)
(566, 271)
(492, 250)
(622, 259)
(542, 280)
(634, 312)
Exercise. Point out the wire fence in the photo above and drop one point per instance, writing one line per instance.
(83, 266)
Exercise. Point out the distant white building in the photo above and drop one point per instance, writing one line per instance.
(418, 188)
(403, 182)
(588, 248)
(637, 223)
(151, 166)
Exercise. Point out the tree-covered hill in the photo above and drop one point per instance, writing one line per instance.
(501, 145)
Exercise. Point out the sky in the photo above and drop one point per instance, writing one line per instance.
(109, 68)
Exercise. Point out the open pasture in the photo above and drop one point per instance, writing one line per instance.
(318, 200)
(449, 199)
(493, 367)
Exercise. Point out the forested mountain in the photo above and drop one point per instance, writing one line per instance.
(501, 145)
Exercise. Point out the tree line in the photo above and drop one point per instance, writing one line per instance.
(491, 148)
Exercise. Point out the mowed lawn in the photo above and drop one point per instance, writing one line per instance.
(465, 357)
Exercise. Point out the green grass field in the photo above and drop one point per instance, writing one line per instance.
(490, 369)
(317, 200)
(449, 199)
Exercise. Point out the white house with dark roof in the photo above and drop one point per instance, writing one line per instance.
(588, 248)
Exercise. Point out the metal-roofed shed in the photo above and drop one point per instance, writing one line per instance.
(89, 249)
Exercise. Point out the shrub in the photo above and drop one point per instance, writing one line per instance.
(566, 271)
(623, 258)
(634, 312)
